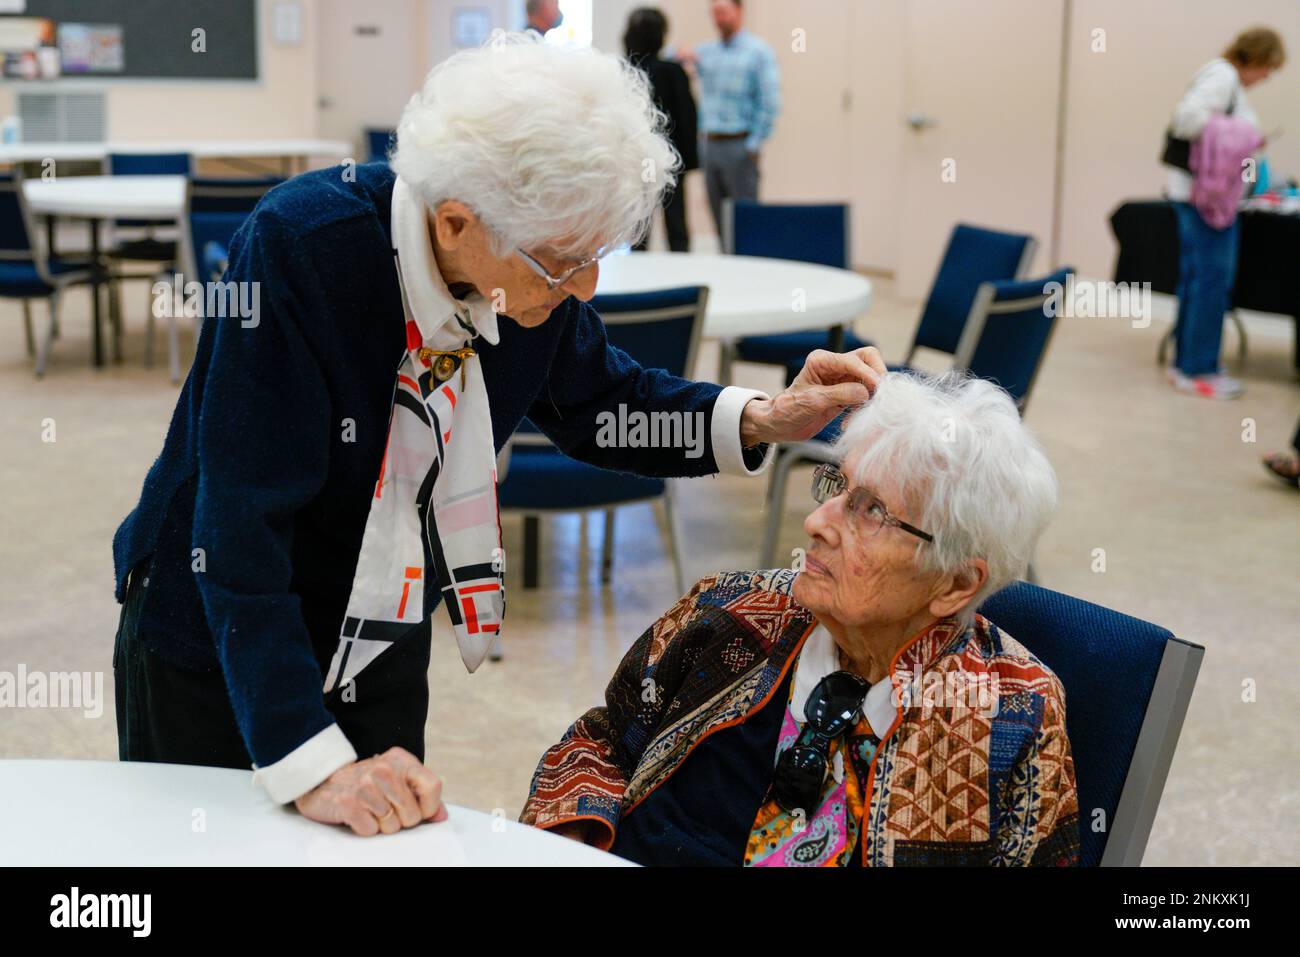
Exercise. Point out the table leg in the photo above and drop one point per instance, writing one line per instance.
(532, 536)
(96, 280)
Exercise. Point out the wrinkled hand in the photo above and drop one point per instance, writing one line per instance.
(829, 383)
(382, 794)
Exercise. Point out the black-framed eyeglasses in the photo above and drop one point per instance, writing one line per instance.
(863, 504)
(833, 708)
(554, 282)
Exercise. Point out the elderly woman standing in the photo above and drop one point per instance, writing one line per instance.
(328, 479)
(858, 711)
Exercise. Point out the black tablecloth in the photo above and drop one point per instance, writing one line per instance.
(1268, 258)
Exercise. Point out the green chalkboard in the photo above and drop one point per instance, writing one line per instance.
(158, 36)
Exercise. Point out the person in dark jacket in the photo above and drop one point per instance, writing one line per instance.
(328, 481)
(647, 28)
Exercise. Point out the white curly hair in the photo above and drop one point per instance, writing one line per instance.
(973, 475)
(553, 148)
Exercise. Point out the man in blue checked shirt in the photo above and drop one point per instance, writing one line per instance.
(740, 86)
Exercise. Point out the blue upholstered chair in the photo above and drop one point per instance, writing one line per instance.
(27, 272)
(214, 210)
(661, 330)
(378, 143)
(1004, 340)
(1127, 687)
(974, 255)
(802, 232)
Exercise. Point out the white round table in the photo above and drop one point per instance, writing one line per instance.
(106, 813)
(748, 295)
(107, 197)
(97, 198)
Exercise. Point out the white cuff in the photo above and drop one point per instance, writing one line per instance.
(306, 765)
(725, 432)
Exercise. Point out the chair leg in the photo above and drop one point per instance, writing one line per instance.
(148, 330)
(115, 323)
(607, 547)
(47, 344)
(494, 650)
(27, 328)
(532, 535)
(674, 538)
(174, 348)
(776, 507)
(726, 356)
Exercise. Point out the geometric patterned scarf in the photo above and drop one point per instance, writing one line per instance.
(434, 529)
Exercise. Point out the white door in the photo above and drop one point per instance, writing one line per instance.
(980, 105)
(367, 65)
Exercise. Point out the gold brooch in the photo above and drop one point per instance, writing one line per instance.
(445, 363)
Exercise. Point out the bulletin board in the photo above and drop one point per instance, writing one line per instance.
(154, 39)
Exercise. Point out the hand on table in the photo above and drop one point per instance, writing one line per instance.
(382, 794)
(829, 383)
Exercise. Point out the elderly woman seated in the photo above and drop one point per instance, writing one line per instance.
(855, 710)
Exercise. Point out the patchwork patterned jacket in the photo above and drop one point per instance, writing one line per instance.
(975, 770)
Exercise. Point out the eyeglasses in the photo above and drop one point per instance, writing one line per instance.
(833, 708)
(863, 504)
(554, 282)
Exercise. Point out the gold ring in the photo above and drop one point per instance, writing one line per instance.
(385, 817)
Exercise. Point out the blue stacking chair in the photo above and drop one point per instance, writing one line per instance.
(1127, 687)
(1009, 330)
(802, 232)
(974, 255)
(661, 330)
(378, 142)
(214, 210)
(26, 270)
(1004, 340)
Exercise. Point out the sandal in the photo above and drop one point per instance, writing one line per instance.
(1285, 466)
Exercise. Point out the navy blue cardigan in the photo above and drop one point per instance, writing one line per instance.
(254, 511)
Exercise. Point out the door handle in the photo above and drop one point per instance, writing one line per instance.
(919, 121)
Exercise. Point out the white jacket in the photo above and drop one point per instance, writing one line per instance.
(1210, 92)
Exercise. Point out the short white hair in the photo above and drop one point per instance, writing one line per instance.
(970, 472)
(550, 146)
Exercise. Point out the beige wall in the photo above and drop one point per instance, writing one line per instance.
(282, 103)
(858, 50)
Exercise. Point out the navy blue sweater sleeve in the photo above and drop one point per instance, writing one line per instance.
(590, 376)
(263, 453)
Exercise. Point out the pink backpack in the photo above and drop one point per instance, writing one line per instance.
(1216, 160)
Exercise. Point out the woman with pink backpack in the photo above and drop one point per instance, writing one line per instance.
(1212, 132)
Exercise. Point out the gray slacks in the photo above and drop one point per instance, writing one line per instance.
(729, 173)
